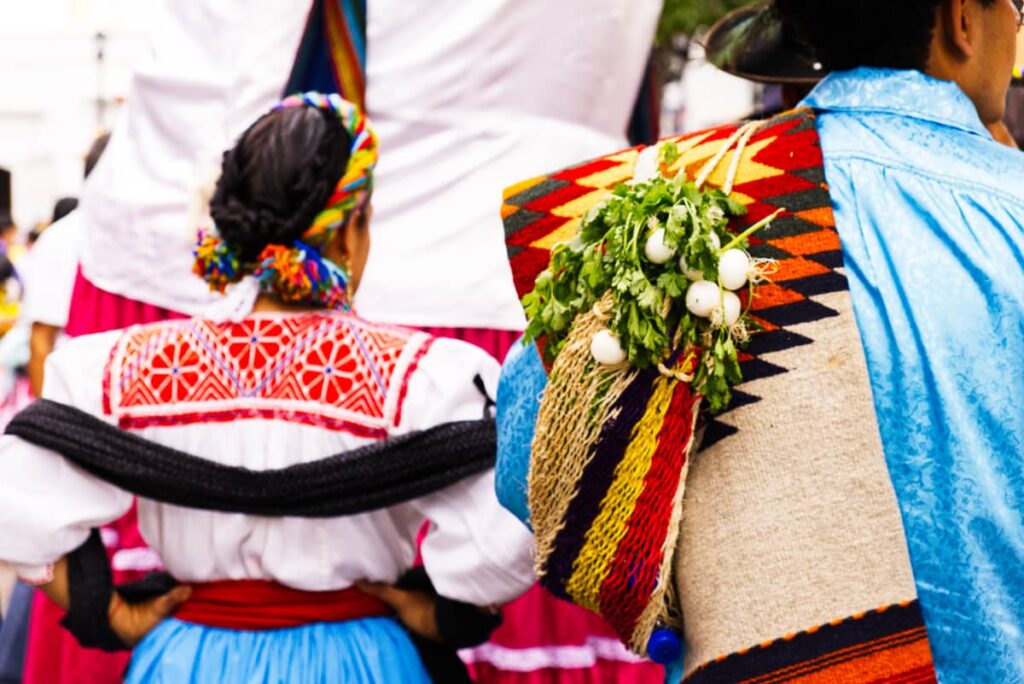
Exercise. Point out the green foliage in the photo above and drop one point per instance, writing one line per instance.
(685, 17)
(649, 313)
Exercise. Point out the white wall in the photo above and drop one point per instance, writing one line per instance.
(49, 87)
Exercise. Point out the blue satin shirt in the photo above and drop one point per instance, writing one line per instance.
(930, 211)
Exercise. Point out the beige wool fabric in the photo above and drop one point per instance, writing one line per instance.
(792, 522)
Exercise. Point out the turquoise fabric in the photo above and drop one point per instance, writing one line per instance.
(522, 381)
(930, 211)
(370, 651)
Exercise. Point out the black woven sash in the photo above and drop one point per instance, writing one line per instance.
(382, 474)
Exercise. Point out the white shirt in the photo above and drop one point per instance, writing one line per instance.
(204, 80)
(48, 272)
(468, 98)
(299, 392)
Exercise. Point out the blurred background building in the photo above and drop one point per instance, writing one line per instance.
(65, 67)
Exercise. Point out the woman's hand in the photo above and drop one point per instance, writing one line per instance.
(415, 609)
(131, 622)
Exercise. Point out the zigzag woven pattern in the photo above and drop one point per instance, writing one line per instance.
(618, 527)
(782, 169)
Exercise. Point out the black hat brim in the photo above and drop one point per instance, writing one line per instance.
(751, 42)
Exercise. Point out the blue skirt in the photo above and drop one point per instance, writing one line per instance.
(370, 651)
(14, 635)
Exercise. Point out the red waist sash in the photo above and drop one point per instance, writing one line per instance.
(258, 605)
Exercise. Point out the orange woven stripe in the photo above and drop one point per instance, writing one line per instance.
(798, 267)
(821, 216)
(910, 663)
(812, 243)
(770, 294)
(874, 661)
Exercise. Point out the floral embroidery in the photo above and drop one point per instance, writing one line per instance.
(333, 370)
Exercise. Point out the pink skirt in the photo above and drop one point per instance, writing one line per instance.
(544, 640)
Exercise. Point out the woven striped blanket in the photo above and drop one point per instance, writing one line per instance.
(773, 542)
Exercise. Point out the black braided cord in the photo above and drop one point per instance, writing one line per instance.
(91, 587)
(373, 477)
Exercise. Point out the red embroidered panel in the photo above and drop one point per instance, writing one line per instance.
(332, 370)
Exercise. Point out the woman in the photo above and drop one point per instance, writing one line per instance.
(295, 378)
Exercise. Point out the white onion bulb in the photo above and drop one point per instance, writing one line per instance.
(691, 273)
(702, 298)
(732, 307)
(606, 348)
(733, 268)
(656, 250)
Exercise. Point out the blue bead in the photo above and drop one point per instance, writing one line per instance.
(665, 646)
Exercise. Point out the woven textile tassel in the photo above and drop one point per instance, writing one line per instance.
(609, 463)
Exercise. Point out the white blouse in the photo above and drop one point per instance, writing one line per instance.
(48, 272)
(266, 393)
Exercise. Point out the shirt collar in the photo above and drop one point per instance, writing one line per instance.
(906, 93)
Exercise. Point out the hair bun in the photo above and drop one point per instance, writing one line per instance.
(278, 177)
(248, 228)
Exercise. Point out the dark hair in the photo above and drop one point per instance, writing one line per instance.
(278, 177)
(6, 269)
(852, 33)
(92, 157)
(63, 207)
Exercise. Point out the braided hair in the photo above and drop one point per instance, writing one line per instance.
(293, 179)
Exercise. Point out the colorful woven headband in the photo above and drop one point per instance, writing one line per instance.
(299, 272)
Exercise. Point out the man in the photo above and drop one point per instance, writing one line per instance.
(928, 209)
(857, 514)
